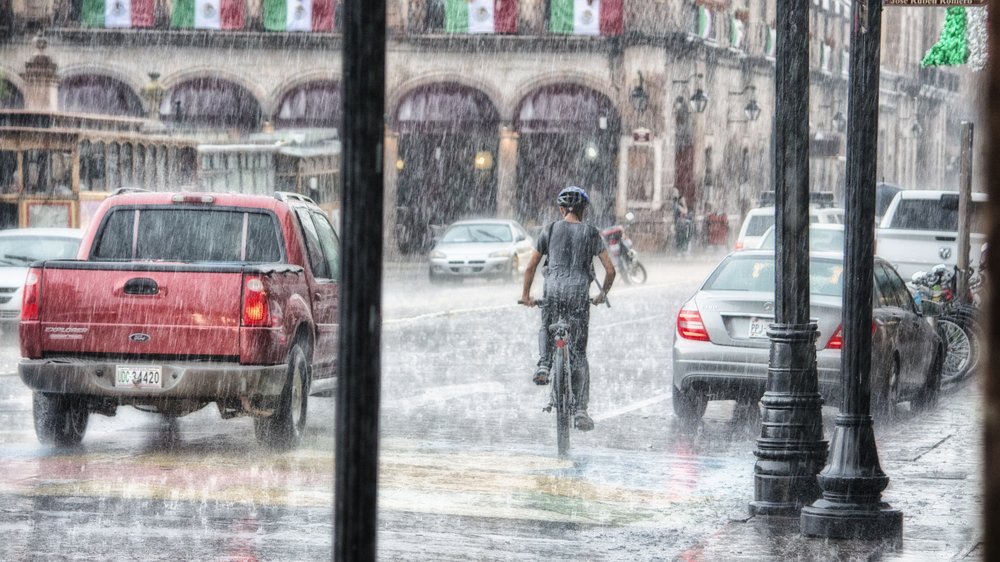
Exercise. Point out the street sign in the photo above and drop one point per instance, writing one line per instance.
(934, 3)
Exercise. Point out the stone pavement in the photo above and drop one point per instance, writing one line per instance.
(933, 460)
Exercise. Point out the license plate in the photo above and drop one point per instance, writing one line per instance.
(139, 376)
(758, 328)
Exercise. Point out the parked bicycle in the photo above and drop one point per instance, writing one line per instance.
(958, 323)
(561, 395)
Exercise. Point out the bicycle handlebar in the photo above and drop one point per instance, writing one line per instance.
(542, 303)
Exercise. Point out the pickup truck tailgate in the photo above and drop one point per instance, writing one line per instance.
(142, 311)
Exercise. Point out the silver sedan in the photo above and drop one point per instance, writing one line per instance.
(721, 348)
(490, 248)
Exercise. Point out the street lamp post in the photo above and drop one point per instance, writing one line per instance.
(853, 481)
(790, 449)
(359, 387)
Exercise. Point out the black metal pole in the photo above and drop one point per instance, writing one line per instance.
(790, 450)
(359, 385)
(853, 481)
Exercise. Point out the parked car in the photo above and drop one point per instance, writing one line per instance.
(721, 348)
(19, 247)
(823, 237)
(180, 300)
(758, 220)
(484, 248)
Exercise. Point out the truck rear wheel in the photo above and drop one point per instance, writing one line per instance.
(284, 428)
(59, 419)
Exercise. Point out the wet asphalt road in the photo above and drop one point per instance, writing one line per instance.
(468, 463)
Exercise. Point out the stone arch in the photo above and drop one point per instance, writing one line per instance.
(566, 78)
(11, 96)
(397, 95)
(569, 133)
(310, 103)
(211, 102)
(133, 80)
(447, 148)
(173, 79)
(98, 93)
(12, 77)
(273, 99)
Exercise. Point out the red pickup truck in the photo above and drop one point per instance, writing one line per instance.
(178, 300)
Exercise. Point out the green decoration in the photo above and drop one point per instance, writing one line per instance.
(952, 48)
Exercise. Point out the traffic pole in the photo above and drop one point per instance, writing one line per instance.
(852, 481)
(790, 449)
(359, 377)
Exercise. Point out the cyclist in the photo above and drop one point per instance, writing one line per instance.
(570, 247)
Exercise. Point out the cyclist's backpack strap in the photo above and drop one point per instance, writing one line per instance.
(548, 245)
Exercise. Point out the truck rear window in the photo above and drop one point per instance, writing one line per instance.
(933, 214)
(188, 235)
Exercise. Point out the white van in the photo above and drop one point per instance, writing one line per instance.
(758, 220)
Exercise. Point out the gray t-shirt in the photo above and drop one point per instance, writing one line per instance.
(569, 249)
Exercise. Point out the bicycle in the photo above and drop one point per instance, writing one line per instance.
(561, 395)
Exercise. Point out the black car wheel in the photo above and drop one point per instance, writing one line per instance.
(283, 429)
(59, 419)
(689, 406)
(888, 394)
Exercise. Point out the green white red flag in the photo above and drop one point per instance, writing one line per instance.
(480, 16)
(586, 17)
(298, 15)
(208, 14)
(118, 13)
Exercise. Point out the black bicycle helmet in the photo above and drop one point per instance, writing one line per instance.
(572, 196)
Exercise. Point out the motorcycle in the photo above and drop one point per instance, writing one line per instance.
(625, 258)
(958, 322)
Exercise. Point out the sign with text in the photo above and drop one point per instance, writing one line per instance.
(934, 3)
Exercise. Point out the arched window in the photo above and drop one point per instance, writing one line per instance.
(98, 94)
(211, 103)
(314, 104)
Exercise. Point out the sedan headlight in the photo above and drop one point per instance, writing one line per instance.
(438, 254)
(501, 253)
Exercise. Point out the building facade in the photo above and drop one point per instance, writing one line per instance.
(644, 103)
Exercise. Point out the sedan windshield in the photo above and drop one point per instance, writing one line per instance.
(474, 233)
(819, 240)
(23, 250)
(756, 274)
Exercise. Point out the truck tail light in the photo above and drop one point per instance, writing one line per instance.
(256, 308)
(31, 302)
(690, 325)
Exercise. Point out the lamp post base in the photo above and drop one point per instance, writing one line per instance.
(851, 521)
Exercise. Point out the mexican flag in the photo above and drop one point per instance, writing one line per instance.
(207, 14)
(118, 13)
(480, 16)
(586, 17)
(298, 15)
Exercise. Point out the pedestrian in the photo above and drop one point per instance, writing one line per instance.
(682, 225)
(569, 246)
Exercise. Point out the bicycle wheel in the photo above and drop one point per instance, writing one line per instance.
(563, 399)
(636, 273)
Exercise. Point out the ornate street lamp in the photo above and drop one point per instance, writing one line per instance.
(639, 98)
(699, 100)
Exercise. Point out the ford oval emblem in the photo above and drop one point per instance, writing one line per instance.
(139, 338)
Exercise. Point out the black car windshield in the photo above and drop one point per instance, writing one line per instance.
(473, 233)
(22, 250)
(756, 274)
